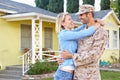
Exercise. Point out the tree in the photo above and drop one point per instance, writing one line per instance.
(72, 6)
(105, 4)
(114, 6)
(55, 6)
(119, 10)
(91, 2)
(42, 3)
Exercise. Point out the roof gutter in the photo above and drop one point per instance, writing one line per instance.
(32, 15)
(27, 16)
(7, 11)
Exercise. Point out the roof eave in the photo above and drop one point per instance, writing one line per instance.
(7, 11)
(27, 16)
(114, 15)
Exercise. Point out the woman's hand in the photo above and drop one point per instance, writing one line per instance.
(60, 61)
(96, 25)
(66, 54)
(101, 22)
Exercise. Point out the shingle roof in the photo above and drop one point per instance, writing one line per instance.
(102, 13)
(99, 14)
(24, 8)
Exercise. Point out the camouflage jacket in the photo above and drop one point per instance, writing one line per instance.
(88, 55)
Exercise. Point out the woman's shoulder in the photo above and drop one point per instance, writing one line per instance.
(63, 32)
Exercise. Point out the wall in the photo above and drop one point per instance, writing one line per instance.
(111, 25)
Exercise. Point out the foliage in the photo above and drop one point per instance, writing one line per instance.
(114, 58)
(42, 3)
(118, 9)
(72, 6)
(42, 67)
(55, 6)
(91, 2)
(105, 4)
(114, 6)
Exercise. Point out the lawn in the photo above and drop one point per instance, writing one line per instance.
(110, 75)
(106, 75)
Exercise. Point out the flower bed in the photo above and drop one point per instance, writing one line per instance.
(41, 70)
(38, 77)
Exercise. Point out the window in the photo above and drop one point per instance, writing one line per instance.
(115, 39)
(26, 36)
(48, 38)
(108, 45)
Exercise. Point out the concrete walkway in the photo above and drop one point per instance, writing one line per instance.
(110, 69)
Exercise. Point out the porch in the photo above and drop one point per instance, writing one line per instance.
(38, 39)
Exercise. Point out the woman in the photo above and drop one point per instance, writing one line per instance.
(68, 41)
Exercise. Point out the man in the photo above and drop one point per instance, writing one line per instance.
(90, 49)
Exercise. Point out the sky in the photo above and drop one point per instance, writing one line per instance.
(31, 2)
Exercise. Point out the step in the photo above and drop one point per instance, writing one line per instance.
(11, 73)
(14, 72)
(9, 79)
(14, 68)
(9, 76)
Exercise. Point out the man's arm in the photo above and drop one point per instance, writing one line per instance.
(93, 54)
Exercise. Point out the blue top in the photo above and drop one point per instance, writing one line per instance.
(68, 41)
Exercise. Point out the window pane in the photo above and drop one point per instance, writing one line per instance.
(48, 38)
(25, 36)
(108, 40)
(115, 39)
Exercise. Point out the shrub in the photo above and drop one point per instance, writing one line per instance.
(42, 67)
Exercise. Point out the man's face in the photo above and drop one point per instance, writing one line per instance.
(84, 18)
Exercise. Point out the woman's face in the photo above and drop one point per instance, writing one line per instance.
(68, 22)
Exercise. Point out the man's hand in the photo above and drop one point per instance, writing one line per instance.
(66, 54)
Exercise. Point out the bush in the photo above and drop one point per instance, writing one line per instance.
(42, 68)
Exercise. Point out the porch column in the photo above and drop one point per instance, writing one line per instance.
(33, 41)
(40, 39)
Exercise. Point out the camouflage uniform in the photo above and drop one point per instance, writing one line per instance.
(88, 55)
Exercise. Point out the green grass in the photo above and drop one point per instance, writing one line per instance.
(48, 79)
(110, 75)
(106, 75)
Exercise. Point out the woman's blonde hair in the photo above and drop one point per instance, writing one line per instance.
(59, 20)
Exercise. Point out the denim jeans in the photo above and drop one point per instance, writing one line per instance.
(63, 75)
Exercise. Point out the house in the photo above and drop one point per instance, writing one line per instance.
(23, 27)
(112, 25)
